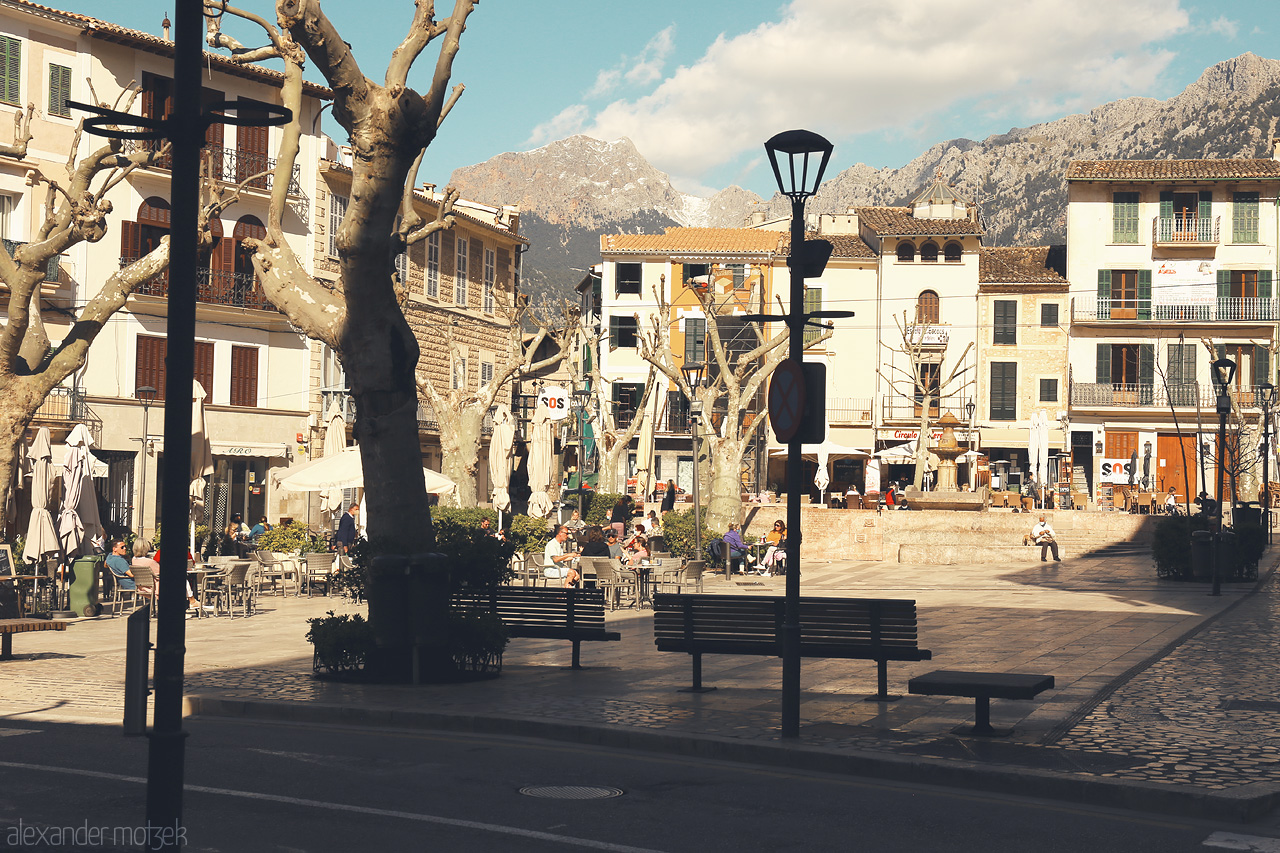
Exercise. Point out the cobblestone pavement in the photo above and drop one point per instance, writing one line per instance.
(1156, 681)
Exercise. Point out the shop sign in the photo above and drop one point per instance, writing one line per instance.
(237, 451)
(1117, 471)
(930, 336)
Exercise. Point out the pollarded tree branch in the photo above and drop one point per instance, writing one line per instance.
(421, 32)
(21, 133)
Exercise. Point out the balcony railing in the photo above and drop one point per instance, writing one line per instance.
(1211, 309)
(1183, 229)
(215, 287)
(231, 165)
(1131, 396)
(62, 404)
(849, 410)
(897, 408)
(51, 269)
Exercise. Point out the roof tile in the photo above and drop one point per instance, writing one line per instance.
(999, 265)
(710, 242)
(899, 221)
(1165, 170)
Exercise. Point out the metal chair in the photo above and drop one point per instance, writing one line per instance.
(615, 582)
(319, 569)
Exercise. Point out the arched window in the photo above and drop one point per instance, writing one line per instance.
(153, 224)
(906, 251)
(952, 251)
(927, 309)
(246, 227)
(929, 252)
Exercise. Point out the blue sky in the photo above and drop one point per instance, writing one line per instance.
(698, 86)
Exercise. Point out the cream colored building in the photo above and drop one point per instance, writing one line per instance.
(1163, 256)
(253, 364)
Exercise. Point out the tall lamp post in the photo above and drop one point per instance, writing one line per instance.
(798, 157)
(693, 371)
(1224, 373)
(146, 395)
(1267, 394)
(969, 409)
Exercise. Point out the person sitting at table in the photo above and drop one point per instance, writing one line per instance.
(258, 529)
(637, 546)
(119, 566)
(615, 547)
(560, 560)
(575, 523)
(225, 545)
(653, 525)
(737, 548)
(595, 546)
(141, 548)
(851, 497)
(775, 539)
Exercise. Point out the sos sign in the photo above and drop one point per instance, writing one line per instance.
(556, 399)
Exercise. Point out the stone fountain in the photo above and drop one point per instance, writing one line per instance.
(947, 494)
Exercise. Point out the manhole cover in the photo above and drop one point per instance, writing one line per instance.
(570, 792)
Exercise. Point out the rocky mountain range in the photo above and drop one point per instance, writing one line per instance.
(573, 190)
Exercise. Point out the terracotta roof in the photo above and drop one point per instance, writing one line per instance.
(843, 245)
(707, 242)
(899, 221)
(1167, 170)
(107, 31)
(1020, 265)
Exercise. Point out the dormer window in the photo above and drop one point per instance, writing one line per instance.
(929, 252)
(906, 251)
(952, 251)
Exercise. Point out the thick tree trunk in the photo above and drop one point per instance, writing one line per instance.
(725, 504)
(460, 432)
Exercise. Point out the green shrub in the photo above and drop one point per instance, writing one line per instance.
(677, 532)
(342, 643)
(476, 640)
(530, 534)
(352, 580)
(292, 538)
(476, 560)
(599, 506)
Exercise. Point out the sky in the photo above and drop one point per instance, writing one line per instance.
(699, 86)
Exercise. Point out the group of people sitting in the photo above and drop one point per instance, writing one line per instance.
(122, 575)
(237, 539)
(774, 556)
(562, 555)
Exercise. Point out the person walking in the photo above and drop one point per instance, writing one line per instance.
(618, 516)
(347, 531)
(669, 497)
(1042, 534)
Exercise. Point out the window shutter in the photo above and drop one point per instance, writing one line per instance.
(149, 368)
(244, 376)
(1104, 294)
(337, 209)
(1146, 372)
(812, 302)
(59, 90)
(129, 242)
(695, 337)
(1006, 325)
(1166, 204)
(1144, 294)
(1124, 217)
(1244, 217)
(203, 372)
(1104, 364)
(1264, 287)
(12, 50)
(1206, 204)
(1261, 365)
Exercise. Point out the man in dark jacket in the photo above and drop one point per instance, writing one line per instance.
(347, 534)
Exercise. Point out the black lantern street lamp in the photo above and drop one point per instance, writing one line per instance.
(146, 395)
(1267, 396)
(799, 158)
(1224, 373)
(693, 372)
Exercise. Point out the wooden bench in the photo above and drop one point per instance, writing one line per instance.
(983, 687)
(9, 627)
(855, 628)
(548, 614)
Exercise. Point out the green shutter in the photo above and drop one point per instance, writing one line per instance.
(1146, 373)
(1124, 217)
(1244, 217)
(1206, 204)
(11, 59)
(1103, 374)
(812, 302)
(1264, 284)
(1261, 365)
(1104, 294)
(695, 337)
(1166, 204)
(1144, 294)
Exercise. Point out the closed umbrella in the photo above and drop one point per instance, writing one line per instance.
(1133, 468)
(1043, 442)
(1033, 447)
(644, 456)
(822, 479)
(500, 452)
(540, 461)
(335, 441)
(79, 526)
(872, 481)
(1146, 467)
(41, 537)
(201, 458)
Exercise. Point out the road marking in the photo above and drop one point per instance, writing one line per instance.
(1252, 843)
(344, 807)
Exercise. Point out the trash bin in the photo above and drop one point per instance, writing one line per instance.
(1247, 513)
(1201, 555)
(1228, 555)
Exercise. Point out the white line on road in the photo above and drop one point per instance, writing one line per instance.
(1251, 843)
(297, 801)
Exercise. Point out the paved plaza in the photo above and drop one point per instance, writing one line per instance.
(1163, 698)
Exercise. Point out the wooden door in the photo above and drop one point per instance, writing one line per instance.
(1169, 465)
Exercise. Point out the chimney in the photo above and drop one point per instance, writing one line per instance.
(1275, 148)
(757, 218)
(165, 25)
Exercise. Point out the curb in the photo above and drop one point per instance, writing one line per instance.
(1241, 805)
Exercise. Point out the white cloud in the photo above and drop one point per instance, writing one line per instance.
(1224, 27)
(566, 123)
(843, 67)
(637, 70)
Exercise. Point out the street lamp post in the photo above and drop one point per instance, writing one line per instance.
(969, 409)
(146, 396)
(1224, 372)
(798, 157)
(693, 372)
(1267, 393)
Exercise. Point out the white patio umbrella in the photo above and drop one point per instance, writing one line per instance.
(539, 464)
(1033, 447)
(201, 459)
(344, 470)
(41, 537)
(78, 521)
(500, 452)
(832, 449)
(335, 441)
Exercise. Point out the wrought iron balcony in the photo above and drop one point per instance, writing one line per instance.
(849, 410)
(214, 287)
(1130, 396)
(231, 165)
(1086, 309)
(1183, 230)
(901, 409)
(51, 270)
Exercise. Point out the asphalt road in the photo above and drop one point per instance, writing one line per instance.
(274, 787)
